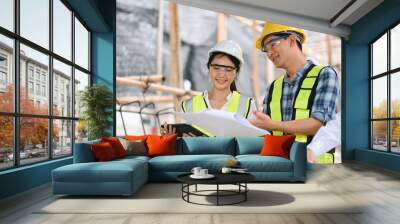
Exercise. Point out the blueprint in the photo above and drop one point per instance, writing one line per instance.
(222, 123)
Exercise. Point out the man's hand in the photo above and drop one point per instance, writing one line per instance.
(263, 121)
(310, 156)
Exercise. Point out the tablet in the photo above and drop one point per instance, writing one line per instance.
(185, 128)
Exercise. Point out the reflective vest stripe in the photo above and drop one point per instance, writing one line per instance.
(275, 104)
(303, 100)
(237, 104)
(233, 102)
(198, 103)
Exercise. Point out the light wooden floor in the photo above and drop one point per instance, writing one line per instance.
(378, 188)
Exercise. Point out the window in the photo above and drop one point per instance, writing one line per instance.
(3, 61)
(62, 75)
(38, 89)
(44, 91)
(3, 78)
(30, 72)
(81, 45)
(34, 21)
(385, 96)
(55, 127)
(30, 88)
(6, 73)
(37, 74)
(3, 72)
(62, 31)
(7, 14)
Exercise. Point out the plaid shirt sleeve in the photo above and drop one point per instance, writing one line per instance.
(326, 97)
(264, 105)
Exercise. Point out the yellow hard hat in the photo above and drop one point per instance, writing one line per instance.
(274, 28)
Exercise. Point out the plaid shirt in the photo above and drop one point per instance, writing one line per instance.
(326, 97)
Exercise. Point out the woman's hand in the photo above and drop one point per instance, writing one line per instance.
(167, 129)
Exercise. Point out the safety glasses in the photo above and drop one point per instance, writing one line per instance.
(271, 44)
(223, 68)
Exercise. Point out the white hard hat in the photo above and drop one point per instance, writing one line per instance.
(229, 47)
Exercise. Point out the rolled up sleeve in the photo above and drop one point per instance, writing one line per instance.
(326, 97)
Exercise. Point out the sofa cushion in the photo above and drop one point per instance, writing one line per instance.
(116, 145)
(134, 147)
(206, 145)
(136, 137)
(277, 145)
(83, 152)
(103, 151)
(249, 145)
(112, 171)
(161, 145)
(257, 163)
(185, 163)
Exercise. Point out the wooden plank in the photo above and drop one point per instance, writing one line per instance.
(153, 86)
(175, 44)
(255, 65)
(222, 31)
(146, 78)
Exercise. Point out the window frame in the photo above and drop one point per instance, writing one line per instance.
(388, 74)
(15, 72)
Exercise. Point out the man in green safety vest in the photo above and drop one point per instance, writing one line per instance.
(302, 100)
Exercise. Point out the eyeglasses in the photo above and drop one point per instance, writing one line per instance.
(223, 68)
(272, 44)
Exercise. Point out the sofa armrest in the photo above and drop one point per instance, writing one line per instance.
(298, 155)
(83, 152)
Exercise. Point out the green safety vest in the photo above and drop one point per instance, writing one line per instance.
(237, 104)
(303, 102)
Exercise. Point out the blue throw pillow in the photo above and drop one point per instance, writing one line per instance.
(206, 145)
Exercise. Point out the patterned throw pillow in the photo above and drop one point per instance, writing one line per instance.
(134, 147)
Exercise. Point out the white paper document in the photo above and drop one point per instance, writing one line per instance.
(222, 123)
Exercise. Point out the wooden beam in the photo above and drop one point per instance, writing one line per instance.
(148, 99)
(250, 23)
(160, 35)
(255, 65)
(146, 78)
(222, 31)
(153, 86)
(175, 43)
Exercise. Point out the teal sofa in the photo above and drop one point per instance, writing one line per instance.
(125, 176)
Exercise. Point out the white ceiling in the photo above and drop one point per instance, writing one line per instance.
(315, 15)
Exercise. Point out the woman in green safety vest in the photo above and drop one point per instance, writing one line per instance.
(224, 62)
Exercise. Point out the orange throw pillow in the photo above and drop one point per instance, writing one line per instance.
(277, 145)
(116, 145)
(103, 152)
(161, 145)
(136, 137)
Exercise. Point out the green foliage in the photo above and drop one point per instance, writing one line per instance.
(97, 102)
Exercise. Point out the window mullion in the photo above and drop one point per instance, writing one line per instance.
(50, 81)
(73, 81)
(16, 84)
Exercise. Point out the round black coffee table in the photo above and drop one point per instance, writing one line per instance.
(238, 179)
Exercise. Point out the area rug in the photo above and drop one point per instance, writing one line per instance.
(167, 198)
